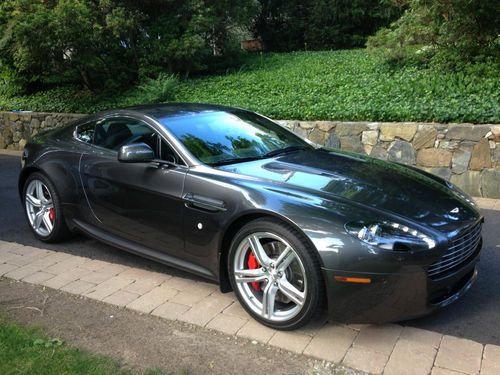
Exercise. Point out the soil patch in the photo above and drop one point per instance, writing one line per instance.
(147, 342)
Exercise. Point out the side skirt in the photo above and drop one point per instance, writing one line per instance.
(143, 251)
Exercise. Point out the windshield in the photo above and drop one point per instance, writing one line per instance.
(221, 138)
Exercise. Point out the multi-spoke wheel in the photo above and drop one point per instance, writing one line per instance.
(274, 274)
(39, 207)
(43, 209)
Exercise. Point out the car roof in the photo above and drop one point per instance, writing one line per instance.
(176, 110)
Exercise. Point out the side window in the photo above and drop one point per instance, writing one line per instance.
(85, 132)
(115, 132)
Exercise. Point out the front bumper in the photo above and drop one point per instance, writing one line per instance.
(395, 297)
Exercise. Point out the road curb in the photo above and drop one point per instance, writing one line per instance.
(11, 152)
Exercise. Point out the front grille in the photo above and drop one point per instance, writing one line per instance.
(462, 248)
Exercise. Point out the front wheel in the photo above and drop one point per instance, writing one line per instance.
(275, 274)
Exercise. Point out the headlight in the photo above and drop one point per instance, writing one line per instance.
(390, 236)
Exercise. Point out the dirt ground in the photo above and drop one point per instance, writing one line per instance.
(146, 342)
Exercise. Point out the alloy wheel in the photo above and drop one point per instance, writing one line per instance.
(270, 276)
(40, 208)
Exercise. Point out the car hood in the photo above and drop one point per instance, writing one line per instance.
(374, 183)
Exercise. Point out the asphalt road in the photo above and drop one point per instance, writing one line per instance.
(476, 316)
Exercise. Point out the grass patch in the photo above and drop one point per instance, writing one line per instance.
(339, 85)
(28, 351)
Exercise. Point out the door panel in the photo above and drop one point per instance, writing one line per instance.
(136, 201)
(140, 202)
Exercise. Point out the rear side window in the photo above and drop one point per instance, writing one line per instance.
(85, 132)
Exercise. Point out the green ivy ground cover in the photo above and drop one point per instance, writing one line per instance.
(335, 85)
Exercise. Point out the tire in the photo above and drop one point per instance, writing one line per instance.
(52, 225)
(283, 291)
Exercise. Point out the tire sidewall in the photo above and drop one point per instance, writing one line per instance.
(59, 229)
(313, 274)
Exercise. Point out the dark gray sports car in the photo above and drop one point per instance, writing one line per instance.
(234, 197)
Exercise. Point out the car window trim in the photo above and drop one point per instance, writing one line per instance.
(75, 132)
(118, 116)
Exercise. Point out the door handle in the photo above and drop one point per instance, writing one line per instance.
(204, 203)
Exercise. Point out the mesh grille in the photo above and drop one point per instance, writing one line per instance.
(462, 247)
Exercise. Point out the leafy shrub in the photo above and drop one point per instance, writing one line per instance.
(103, 43)
(335, 24)
(442, 33)
(293, 25)
(158, 90)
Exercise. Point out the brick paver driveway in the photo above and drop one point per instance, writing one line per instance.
(388, 349)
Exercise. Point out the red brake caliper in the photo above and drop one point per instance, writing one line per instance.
(253, 264)
(52, 214)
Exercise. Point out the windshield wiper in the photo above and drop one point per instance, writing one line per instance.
(234, 161)
(269, 154)
(285, 150)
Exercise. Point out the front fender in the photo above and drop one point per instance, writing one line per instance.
(323, 220)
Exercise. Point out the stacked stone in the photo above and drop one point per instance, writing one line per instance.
(17, 127)
(465, 154)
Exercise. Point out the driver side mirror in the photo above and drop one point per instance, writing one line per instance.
(136, 153)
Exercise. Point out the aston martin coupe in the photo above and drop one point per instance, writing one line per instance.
(292, 228)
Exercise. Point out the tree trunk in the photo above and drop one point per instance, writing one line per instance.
(86, 78)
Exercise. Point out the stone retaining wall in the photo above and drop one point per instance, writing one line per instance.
(17, 127)
(465, 154)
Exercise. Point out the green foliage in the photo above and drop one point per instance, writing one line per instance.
(442, 33)
(340, 85)
(347, 23)
(28, 351)
(113, 43)
(59, 41)
(48, 343)
(160, 89)
(281, 24)
(352, 85)
(321, 24)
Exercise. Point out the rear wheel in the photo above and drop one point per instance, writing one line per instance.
(275, 275)
(43, 209)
